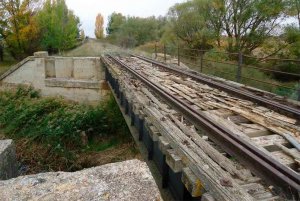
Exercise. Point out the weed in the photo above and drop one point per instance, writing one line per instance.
(58, 124)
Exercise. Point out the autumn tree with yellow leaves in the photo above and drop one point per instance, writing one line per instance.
(99, 30)
(18, 26)
(27, 26)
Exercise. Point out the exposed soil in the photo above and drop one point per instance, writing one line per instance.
(35, 158)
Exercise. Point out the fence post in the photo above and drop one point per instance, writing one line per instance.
(201, 60)
(165, 53)
(178, 55)
(239, 69)
(299, 91)
(155, 49)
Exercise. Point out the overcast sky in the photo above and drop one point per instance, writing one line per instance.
(87, 10)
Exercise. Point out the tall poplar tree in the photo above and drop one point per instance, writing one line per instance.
(99, 30)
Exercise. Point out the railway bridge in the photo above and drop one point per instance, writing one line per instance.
(209, 140)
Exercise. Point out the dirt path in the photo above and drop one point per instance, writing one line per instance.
(91, 48)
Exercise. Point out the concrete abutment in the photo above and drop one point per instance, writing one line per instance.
(80, 79)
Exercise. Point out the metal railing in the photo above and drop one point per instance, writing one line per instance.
(237, 67)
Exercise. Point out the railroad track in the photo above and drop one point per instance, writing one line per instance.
(279, 107)
(236, 125)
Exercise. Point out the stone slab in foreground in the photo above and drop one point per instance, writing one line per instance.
(129, 180)
(8, 161)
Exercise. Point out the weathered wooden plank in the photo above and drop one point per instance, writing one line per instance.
(209, 172)
(192, 183)
(174, 161)
(223, 161)
(269, 140)
(284, 158)
(163, 144)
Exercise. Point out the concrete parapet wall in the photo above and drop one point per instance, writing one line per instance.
(75, 78)
(8, 161)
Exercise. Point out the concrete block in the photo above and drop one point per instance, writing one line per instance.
(64, 67)
(128, 180)
(100, 71)
(8, 161)
(40, 54)
(50, 68)
(85, 69)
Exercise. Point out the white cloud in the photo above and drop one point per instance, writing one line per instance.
(87, 10)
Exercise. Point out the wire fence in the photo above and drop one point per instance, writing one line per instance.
(279, 76)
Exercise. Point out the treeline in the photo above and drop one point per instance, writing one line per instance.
(30, 25)
(134, 31)
(232, 25)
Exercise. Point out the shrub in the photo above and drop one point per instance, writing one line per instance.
(56, 122)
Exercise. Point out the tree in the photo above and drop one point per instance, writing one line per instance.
(115, 20)
(59, 26)
(18, 26)
(247, 23)
(136, 31)
(99, 30)
(82, 35)
(189, 22)
(293, 9)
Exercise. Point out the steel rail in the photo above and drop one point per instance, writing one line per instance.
(255, 159)
(281, 108)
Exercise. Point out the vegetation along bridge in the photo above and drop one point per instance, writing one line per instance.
(209, 139)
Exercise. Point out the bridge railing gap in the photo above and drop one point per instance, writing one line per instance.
(259, 72)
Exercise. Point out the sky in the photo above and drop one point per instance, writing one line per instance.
(87, 10)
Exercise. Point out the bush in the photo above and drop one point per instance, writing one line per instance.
(55, 122)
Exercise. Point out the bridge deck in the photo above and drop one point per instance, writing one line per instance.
(187, 150)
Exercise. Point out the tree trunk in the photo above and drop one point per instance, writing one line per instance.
(298, 11)
(1, 53)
